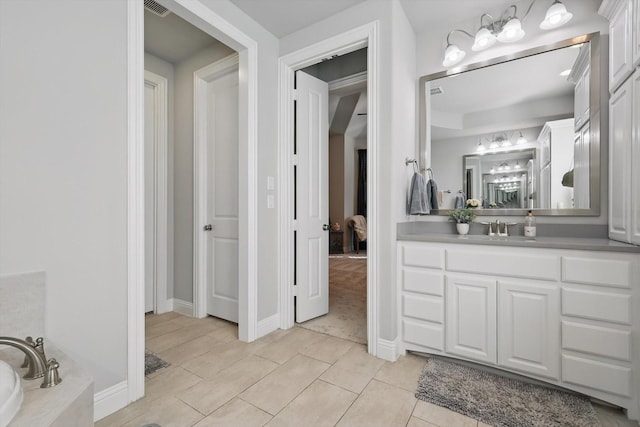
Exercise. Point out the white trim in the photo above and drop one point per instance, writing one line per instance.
(183, 307)
(161, 261)
(268, 325)
(135, 202)
(357, 38)
(110, 400)
(201, 78)
(387, 350)
(346, 82)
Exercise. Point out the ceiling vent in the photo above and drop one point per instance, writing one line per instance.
(436, 90)
(156, 8)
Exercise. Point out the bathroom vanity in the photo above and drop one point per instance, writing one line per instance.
(558, 310)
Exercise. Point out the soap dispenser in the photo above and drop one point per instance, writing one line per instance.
(530, 225)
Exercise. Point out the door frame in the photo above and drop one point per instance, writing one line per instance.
(364, 36)
(201, 78)
(162, 262)
(196, 13)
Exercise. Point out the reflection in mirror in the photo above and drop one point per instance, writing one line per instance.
(517, 134)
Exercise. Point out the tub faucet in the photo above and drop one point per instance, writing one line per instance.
(37, 363)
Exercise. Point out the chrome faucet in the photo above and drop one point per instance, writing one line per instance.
(38, 366)
(497, 232)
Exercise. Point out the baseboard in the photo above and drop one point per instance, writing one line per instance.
(268, 325)
(182, 307)
(387, 350)
(110, 400)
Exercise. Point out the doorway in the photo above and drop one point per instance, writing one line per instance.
(346, 77)
(365, 36)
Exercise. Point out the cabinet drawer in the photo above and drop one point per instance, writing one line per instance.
(596, 375)
(527, 265)
(426, 335)
(424, 308)
(420, 256)
(604, 306)
(597, 340)
(601, 272)
(423, 281)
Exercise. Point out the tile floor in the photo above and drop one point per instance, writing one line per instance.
(295, 377)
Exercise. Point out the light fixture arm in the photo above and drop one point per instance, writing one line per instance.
(527, 12)
(490, 19)
(457, 30)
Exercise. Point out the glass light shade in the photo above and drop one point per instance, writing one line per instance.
(484, 39)
(452, 55)
(521, 140)
(506, 143)
(556, 16)
(480, 147)
(494, 144)
(512, 31)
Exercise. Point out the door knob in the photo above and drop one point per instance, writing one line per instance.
(208, 227)
(325, 227)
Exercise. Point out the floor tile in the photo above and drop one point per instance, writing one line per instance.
(154, 319)
(236, 413)
(321, 404)
(189, 350)
(328, 349)
(403, 373)
(276, 390)
(172, 380)
(288, 346)
(172, 339)
(167, 412)
(612, 417)
(417, 422)
(209, 395)
(442, 417)
(380, 404)
(354, 370)
(221, 356)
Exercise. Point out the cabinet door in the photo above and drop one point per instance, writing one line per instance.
(620, 129)
(620, 39)
(529, 328)
(635, 158)
(471, 318)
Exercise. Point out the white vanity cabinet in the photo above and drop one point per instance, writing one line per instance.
(624, 118)
(566, 317)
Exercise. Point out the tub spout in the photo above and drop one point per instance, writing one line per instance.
(38, 366)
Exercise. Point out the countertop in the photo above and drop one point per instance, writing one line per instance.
(580, 243)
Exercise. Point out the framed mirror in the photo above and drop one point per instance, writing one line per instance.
(517, 132)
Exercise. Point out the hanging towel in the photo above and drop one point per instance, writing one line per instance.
(461, 200)
(418, 201)
(359, 225)
(432, 193)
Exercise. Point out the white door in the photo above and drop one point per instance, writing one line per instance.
(529, 328)
(471, 318)
(222, 195)
(149, 199)
(312, 197)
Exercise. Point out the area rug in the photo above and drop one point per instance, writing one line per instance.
(501, 401)
(152, 363)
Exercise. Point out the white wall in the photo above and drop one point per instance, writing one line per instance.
(396, 124)
(430, 49)
(63, 170)
(166, 69)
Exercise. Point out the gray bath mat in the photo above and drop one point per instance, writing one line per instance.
(501, 401)
(152, 363)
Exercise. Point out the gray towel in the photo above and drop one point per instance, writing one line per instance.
(461, 200)
(418, 201)
(432, 194)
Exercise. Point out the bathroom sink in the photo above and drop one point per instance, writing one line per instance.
(10, 393)
(485, 238)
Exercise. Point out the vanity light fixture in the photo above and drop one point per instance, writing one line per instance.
(517, 166)
(506, 29)
(521, 139)
(480, 147)
(492, 170)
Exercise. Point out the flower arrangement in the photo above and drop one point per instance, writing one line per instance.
(473, 203)
(462, 216)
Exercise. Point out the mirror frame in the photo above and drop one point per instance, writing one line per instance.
(594, 123)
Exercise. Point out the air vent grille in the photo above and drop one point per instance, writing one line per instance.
(156, 8)
(436, 90)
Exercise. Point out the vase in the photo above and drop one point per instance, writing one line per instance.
(462, 228)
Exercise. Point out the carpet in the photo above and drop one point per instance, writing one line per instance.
(501, 401)
(153, 363)
(347, 317)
